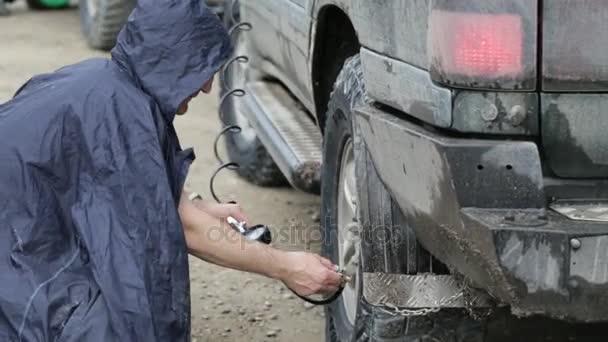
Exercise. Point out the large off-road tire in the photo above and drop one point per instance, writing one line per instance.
(47, 4)
(244, 148)
(101, 20)
(346, 321)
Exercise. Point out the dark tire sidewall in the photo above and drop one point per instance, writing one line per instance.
(339, 129)
(102, 30)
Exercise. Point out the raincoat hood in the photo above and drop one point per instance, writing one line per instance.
(171, 48)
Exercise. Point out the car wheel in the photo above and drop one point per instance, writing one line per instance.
(244, 148)
(353, 196)
(102, 20)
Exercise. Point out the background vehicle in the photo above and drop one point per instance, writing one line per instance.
(101, 20)
(458, 147)
(42, 4)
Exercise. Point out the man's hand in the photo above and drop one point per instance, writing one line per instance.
(309, 274)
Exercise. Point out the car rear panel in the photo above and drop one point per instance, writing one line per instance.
(549, 58)
(556, 48)
(574, 134)
(575, 45)
(574, 112)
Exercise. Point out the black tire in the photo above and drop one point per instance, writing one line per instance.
(101, 27)
(39, 5)
(376, 209)
(256, 164)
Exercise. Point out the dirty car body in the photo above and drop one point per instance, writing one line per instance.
(486, 122)
(519, 119)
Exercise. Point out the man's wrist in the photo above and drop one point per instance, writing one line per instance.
(279, 264)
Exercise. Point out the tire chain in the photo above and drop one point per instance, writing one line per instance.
(478, 314)
(395, 311)
(463, 292)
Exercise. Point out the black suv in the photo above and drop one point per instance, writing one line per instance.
(460, 150)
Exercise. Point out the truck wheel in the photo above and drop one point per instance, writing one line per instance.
(101, 21)
(348, 174)
(244, 148)
(47, 4)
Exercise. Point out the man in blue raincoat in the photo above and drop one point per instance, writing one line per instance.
(94, 225)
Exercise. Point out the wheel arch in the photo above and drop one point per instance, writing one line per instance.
(335, 40)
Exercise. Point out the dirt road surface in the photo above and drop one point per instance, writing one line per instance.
(226, 305)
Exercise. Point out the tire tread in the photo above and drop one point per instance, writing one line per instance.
(112, 14)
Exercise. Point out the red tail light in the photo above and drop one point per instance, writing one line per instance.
(477, 45)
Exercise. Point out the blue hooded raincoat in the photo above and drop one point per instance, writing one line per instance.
(91, 170)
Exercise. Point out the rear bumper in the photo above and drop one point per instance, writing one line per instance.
(480, 207)
(554, 267)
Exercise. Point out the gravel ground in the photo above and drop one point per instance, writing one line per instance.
(226, 305)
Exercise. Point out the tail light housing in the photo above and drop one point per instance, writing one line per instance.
(488, 44)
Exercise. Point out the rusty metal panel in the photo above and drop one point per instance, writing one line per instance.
(590, 260)
(418, 291)
(534, 258)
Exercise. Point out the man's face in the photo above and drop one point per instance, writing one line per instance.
(206, 88)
